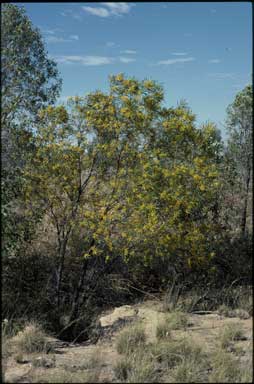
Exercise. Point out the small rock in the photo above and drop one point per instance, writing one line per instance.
(22, 360)
(120, 313)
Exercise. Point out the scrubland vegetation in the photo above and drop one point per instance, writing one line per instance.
(111, 198)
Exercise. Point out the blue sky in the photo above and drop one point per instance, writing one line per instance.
(200, 52)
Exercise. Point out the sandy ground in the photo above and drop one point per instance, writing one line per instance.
(204, 329)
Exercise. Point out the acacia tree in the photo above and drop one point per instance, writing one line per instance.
(135, 178)
(29, 81)
(84, 165)
(239, 149)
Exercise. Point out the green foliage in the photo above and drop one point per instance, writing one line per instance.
(29, 81)
(116, 182)
(29, 78)
(238, 158)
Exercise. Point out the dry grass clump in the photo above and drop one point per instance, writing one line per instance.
(224, 310)
(182, 361)
(172, 353)
(231, 333)
(31, 339)
(188, 372)
(163, 331)
(174, 321)
(177, 320)
(130, 338)
(225, 368)
(143, 371)
(122, 370)
(139, 367)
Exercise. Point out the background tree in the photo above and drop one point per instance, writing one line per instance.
(239, 151)
(29, 81)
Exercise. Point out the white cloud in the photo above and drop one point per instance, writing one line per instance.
(110, 44)
(55, 39)
(70, 13)
(126, 59)
(51, 36)
(48, 31)
(51, 31)
(84, 60)
(92, 60)
(214, 61)
(109, 9)
(129, 51)
(74, 37)
(118, 8)
(222, 75)
(179, 53)
(101, 12)
(175, 61)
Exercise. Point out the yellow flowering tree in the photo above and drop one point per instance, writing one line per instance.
(135, 178)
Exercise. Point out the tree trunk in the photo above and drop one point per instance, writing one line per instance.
(62, 252)
(245, 203)
(76, 301)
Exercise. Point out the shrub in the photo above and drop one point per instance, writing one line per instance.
(129, 339)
